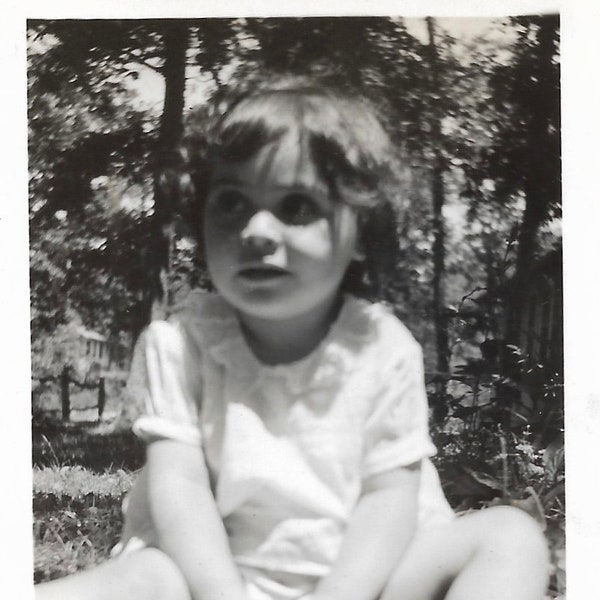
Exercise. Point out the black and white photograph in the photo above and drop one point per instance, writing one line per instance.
(296, 305)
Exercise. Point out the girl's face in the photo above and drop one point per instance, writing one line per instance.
(277, 244)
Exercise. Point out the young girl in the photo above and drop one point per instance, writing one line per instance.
(286, 419)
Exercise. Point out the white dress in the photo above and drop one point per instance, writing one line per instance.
(288, 446)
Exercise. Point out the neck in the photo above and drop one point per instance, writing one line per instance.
(278, 341)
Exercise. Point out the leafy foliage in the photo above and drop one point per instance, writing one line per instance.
(87, 148)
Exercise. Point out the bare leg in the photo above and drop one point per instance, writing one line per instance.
(497, 554)
(146, 574)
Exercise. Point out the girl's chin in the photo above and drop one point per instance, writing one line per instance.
(267, 309)
(292, 307)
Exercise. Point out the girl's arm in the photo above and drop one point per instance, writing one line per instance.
(188, 525)
(379, 532)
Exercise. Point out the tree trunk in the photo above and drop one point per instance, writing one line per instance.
(437, 196)
(541, 182)
(175, 40)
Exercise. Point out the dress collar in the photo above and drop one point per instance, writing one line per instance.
(333, 358)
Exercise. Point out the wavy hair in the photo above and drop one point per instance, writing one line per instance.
(341, 132)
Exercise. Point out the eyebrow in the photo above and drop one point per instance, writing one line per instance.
(296, 186)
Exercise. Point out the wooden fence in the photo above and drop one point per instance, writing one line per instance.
(65, 380)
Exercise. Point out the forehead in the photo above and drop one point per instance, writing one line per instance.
(283, 163)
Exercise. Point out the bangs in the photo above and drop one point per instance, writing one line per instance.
(341, 138)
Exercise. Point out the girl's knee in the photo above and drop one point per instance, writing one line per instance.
(512, 530)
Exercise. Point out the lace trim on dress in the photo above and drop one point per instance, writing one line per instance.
(334, 357)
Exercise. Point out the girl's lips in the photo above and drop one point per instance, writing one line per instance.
(260, 273)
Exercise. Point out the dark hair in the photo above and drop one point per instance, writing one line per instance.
(344, 137)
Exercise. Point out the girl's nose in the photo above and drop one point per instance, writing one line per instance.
(262, 233)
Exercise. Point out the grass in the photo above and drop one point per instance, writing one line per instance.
(77, 518)
(82, 470)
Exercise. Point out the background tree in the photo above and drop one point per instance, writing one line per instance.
(82, 136)
(523, 160)
(438, 197)
(92, 142)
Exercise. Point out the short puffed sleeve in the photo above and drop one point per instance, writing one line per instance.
(165, 379)
(397, 431)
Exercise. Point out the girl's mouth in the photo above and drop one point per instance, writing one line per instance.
(262, 273)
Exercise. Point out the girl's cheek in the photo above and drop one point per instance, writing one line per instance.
(313, 240)
(216, 246)
(217, 232)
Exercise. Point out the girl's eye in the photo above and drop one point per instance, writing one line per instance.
(299, 209)
(229, 203)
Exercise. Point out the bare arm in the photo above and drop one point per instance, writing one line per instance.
(379, 532)
(188, 525)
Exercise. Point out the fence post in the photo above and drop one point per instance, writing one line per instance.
(64, 393)
(101, 396)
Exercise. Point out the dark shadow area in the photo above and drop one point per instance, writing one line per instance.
(94, 445)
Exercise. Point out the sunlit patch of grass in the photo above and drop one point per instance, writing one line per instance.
(77, 518)
(77, 482)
